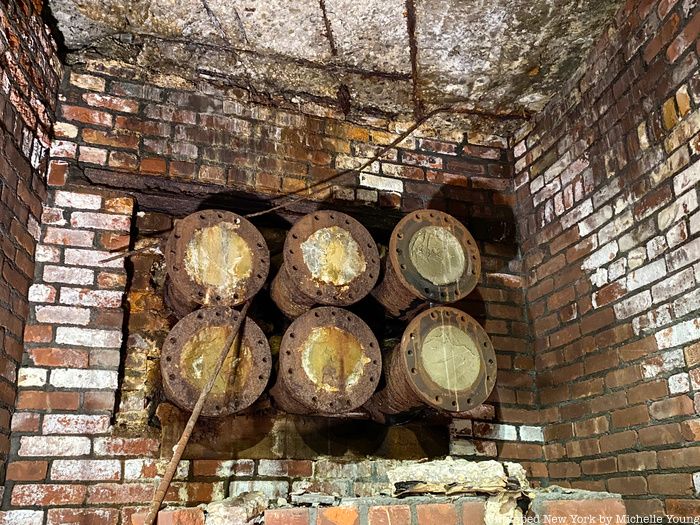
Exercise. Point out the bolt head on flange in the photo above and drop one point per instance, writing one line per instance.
(449, 359)
(191, 350)
(434, 256)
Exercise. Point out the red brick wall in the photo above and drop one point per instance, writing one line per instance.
(29, 72)
(607, 180)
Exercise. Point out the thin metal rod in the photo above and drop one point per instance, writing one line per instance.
(179, 449)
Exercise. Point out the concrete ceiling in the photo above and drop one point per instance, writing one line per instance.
(386, 57)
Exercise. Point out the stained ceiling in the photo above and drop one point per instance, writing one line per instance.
(382, 57)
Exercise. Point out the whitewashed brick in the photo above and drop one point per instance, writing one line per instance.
(63, 149)
(616, 227)
(42, 293)
(468, 447)
(636, 258)
(646, 274)
(633, 305)
(531, 433)
(600, 257)
(61, 274)
(271, 489)
(689, 302)
(595, 221)
(62, 315)
(679, 383)
(637, 236)
(140, 469)
(686, 254)
(100, 221)
(695, 223)
(88, 337)
(537, 184)
(54, 446)
(677, 161)
(579, 213)
(86, 469)
(91, 258)
(677, 210)
(678, 233)
(617, 269)
(69, 237)
(80, 378)
(674, 285)
(381, 183)
(31, 377)
(696, 482)
(663, 363)
(683, 131)
(652, 320)
(89, 82)
(599, 278)
(75, 424)
(86, 297)
(85, 201)
(679, 334)
(498, 431)
(656, 247)
(45, 253)
(22, 517)
(65, 130)
(688, 178)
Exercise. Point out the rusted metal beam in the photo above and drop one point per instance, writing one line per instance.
(432, 258)
(445, 361)
(330, 259)
(190, 351)
(329, 363)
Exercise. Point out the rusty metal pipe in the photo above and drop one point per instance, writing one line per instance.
(432, 258)
(329, 363)
(445, 361)
(329, 259)
(190, 351)
(214, 258)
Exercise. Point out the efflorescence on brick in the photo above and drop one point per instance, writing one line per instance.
(607, 200)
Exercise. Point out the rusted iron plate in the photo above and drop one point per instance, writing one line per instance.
(434, 257)
(190, 352)
(445, 360)
(287, 296)
(216, 258)
(330, 259)
(330, 361)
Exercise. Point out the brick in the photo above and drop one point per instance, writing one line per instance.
(82, 517)
(679, 458)
(628, 485)
(48, 494)
(287, 516)
(389, 515)
(681, 484)
(27, 471)
(60, 274)
(443, 513)
(86, 115)
(90, 82)
(630, 416)
(92, 155)
(114, 493)
(86, 297)
(192, 516)
(100, 221)
(637, 461)
(80, 378)
(62, 315)
(88, 337)
(96, 258)
(42, 293)
(38, 333)
(568, 512)
(58, 357)
(86, 201)
(25, 422)
(79, 424)
(290, 468)
(672, 407)
(338, 516)
(126, 446)
(68, 237)
(33, 400)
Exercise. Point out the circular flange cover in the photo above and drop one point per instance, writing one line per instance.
(190, 353)
(217, 258)
(330, 360)
(449, 359)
